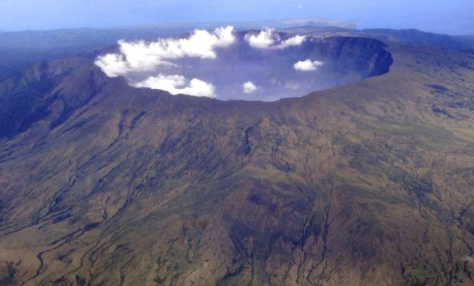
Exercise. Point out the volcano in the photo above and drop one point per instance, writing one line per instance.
(368, 182)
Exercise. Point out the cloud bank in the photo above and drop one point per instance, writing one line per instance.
(307, 65)
(146, 56)
(177, 84)
(268, 38)
(249, 87)
(263, 40)
(141, 56)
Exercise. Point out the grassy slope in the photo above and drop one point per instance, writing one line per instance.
(366, 184)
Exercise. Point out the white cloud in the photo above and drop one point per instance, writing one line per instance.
(268, 38)
(146, 56)
(300, 6)
(307, 65)
(177, 84)
(112, 65)
(263, 40)
(249, 87)
(293, 41)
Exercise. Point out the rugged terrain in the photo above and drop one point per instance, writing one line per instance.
(369, 183)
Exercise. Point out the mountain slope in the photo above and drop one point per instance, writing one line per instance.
(365, 184)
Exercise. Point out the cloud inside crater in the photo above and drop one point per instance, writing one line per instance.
(141, 56)
(268, 38)
(307, 65)
(144, 56)
(177, 84)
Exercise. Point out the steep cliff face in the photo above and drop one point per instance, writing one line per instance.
(365, 56)
(366, 184)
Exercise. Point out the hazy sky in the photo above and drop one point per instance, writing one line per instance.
(446, 16)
